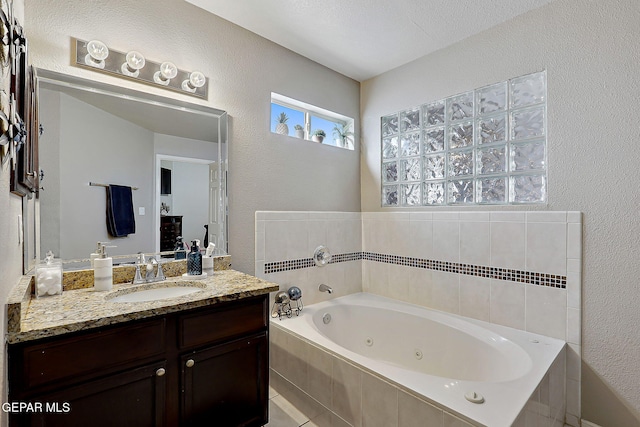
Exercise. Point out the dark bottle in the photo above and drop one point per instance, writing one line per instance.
(180, 253)
(194, 260)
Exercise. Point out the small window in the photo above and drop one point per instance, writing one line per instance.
(307, 122)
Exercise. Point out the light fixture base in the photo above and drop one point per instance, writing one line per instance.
(113, 65)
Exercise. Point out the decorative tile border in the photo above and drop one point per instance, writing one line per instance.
(352, 256)
(294, 264)
(498, 273)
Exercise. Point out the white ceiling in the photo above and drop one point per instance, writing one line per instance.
(364, 38)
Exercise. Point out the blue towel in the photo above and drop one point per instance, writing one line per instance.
(120, 219)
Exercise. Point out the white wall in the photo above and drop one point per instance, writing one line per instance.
(190, 188)
(268, 171)
(590, 52)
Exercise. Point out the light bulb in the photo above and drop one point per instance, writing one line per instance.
(133, 65)
(97, 52)
(196, 80)
(168, 70)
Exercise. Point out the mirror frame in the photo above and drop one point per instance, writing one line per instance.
(31, 255)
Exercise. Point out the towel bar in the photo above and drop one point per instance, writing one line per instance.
(95, 184)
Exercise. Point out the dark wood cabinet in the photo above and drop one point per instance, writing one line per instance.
(222, 383)
(202, 367)
(170, 229)
(135, 397)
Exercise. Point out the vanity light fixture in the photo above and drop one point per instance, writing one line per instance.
(196, 80)
(134, 66)
(97, 52)
(167, 71)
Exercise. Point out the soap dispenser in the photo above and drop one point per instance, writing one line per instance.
(103, 270)
(194, 260)
(96, 254)
(180, 253)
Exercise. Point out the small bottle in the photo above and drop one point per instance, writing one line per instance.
(103, 271)
(194, 261)
(180, 253)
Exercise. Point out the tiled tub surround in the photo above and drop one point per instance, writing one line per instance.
(365, 375)
(285, 242)
(545, 242)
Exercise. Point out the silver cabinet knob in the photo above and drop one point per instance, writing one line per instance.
(160, 372)
(190, 363)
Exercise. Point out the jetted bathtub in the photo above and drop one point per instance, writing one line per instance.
(448, 360)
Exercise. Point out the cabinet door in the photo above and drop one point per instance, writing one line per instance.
(226, 385)
(133, 398)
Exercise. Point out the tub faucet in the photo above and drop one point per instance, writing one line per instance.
(325, 288)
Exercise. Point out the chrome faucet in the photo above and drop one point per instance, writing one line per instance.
(325, 288)
(149, 277)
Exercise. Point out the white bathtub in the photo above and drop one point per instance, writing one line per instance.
(438, 356)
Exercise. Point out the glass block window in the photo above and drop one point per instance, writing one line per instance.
(487, 146)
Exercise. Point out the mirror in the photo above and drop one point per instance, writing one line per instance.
(95, 134)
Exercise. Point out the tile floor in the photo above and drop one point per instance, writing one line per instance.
(282, 413)
(297, 408)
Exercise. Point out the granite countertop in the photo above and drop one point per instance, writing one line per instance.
(30, 318)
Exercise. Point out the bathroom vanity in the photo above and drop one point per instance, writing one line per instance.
(194, 360)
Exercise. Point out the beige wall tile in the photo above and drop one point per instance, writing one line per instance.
(413, 412)
(446, 241)
(475, 297)
(319, 375)
(475, 247)
(445, 291)
(346, 392)
(546, 310)
(546, 247)
(379, 403)
(452, 421)
(508, 244)
(508, 304)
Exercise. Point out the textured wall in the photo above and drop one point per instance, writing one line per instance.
(268, 171)
(591, 56)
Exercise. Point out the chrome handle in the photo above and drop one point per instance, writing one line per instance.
(190, 363)
(160, 372)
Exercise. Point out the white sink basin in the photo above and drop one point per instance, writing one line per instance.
(161, 291)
